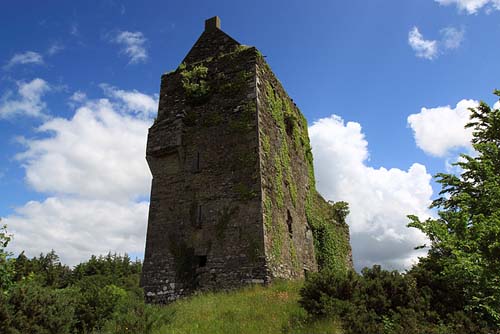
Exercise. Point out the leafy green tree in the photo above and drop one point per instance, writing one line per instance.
(6, 264)
(464, 256)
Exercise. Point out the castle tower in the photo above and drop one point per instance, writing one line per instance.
(233, 183)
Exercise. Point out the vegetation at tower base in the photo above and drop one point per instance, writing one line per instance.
(464, 256)
(102, 295)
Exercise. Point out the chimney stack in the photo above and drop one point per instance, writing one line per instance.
(212, 24)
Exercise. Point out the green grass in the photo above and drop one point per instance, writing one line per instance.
(254, 309)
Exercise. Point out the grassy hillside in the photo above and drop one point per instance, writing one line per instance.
(254, 309)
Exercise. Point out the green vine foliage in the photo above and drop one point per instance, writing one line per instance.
(331, 234)
(195, 84)
(327, 220)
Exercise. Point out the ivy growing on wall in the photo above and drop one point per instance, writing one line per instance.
(327, 220)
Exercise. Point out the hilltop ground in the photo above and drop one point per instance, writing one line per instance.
(254, 309)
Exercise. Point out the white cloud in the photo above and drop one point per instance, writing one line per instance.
(423, 48)
(94, 169)
(54, 49)
(496, 105)
(133, 45)
(99, 153)
(28, 57)
(438, 131)
(135, 101)
(379, 198)
(78, 96)
(28, 102)
(78, 228)
(472, 6)
(452, 38)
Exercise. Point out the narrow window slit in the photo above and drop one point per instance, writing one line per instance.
(198, 216)
(289, 223)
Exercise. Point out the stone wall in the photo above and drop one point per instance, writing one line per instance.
(205, 220)
(284, 147)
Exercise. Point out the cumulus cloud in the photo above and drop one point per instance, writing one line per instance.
(472, 6)
(379, 198)
(133, 45)
(451, 38)
(28, 57)
(93, 167)
(137, 102)
(99, 153)
(423, 48)
(440, 130)
(28, 101)
(78, 96)
(77, 228)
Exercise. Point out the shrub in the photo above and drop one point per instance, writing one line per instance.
(380, 301)
(36, 309)
(132, 315)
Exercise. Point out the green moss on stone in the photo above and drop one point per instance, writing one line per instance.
(233, 87)
(292, 187)
(254, 250)
(268, 213)
(190, 118)
(184, 259)
(266, 145)
(244, 192)
(244, 121)
(293, 255)
(223, 221)
(278, 238)
(278, 182)
(212, 118)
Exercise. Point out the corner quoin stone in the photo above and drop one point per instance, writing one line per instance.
(228, 154)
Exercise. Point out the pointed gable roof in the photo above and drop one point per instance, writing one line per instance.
(212, 42)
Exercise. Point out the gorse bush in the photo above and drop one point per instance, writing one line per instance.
(380, 301)
(33, 308)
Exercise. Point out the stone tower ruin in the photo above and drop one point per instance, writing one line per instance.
(233, 197)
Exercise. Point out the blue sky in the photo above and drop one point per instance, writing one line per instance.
(79, 83)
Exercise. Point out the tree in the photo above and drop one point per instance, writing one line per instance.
(464, 253)
(6, 264)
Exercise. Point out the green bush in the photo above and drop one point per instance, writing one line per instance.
(37, 309)
(97, 302)
(380, 301)
(132, 315)
(195, 84)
